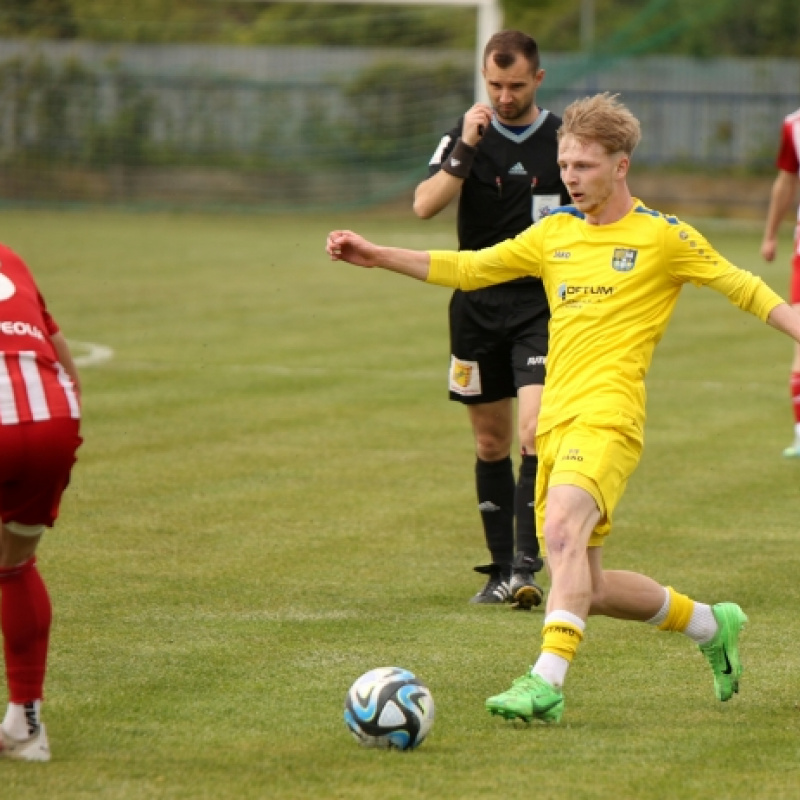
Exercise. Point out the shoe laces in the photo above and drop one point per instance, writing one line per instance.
(714, 651)
(525, 684)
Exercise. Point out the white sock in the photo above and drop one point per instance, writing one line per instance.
(662, 612)
(552, 668)
(703, 625)
(797, 433)
(549, 666)
(565, 616)
(22, 720)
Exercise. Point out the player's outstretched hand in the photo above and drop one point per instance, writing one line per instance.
(352, 248)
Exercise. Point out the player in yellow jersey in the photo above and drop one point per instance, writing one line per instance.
(612, 270)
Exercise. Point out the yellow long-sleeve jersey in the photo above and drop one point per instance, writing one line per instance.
(612, 290)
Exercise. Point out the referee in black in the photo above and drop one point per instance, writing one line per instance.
(501, 161)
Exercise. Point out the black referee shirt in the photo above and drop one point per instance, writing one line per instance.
(514, 181)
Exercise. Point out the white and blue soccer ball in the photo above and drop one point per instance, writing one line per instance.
(389, 707)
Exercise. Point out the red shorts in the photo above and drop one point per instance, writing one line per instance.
(35, 463)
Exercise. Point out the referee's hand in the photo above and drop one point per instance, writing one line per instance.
(476, 121)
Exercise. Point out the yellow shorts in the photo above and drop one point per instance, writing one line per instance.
(599, 457)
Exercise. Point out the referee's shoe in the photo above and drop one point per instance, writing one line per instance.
(497, 590)
(525, 592)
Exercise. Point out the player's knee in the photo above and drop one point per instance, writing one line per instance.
(18, 542)
(491, 447)
(561, 540)
(25, 531)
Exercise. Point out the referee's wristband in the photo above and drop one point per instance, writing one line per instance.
(459, 162)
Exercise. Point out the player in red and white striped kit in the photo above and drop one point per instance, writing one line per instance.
(782, 197)
(39, 435)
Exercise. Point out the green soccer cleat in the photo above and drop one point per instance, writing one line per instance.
(529, 697)
(722, 652)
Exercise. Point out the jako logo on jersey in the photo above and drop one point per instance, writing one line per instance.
(21, 329)
(573, 455)
(565, 291)
(518, 169)
(624, 259)
(536, 361)
(562, 254)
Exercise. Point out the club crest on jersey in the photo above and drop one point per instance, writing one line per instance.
(624, 259)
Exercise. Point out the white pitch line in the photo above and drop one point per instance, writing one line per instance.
(89, 354)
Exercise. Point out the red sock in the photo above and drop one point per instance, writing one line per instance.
(25, 615)
(794, 388)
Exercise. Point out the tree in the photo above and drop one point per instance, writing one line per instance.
(708, 28)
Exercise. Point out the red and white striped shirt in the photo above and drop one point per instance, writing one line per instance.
(789, 154)
(34, 386)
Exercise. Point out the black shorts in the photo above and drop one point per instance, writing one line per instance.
(498, 342)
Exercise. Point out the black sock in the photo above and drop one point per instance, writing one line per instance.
(495, 483)
(527, 542)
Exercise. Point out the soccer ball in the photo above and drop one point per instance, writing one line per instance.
(389, 707)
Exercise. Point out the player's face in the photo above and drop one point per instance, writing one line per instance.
(512, 91)
(590, 174)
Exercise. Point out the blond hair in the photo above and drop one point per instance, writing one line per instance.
(602, 119)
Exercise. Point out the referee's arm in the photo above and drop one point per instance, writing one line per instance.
(435, 193)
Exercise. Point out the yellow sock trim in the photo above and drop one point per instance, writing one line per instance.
(679, 613)
(561, 639)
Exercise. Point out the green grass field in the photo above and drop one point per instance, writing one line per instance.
(275, 495)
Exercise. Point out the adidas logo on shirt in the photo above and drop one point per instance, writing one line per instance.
(518, 169)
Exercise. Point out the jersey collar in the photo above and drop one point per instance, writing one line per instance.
(518, 138)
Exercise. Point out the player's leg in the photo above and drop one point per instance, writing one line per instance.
(621, 594)
(526, 327)
(482, 380)
(570, 519)
(583, 473)
(793, 450)
(492, 427)
(25, 616)
(525, 592)
(715, 629)
(30, 493)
